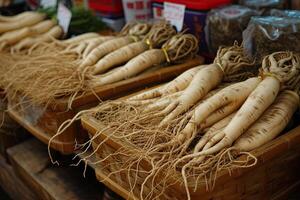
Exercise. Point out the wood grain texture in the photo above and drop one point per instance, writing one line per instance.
(64, 145)
(110, 184)
(30, 160)
(12, 184)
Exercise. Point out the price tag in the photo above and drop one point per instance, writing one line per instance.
(48, 3)
(174, 13)
(64, 16)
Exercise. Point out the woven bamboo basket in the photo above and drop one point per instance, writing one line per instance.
(273, 177)
(43, 123)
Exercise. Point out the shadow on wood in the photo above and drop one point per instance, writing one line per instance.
(31, 161)
(11, 183)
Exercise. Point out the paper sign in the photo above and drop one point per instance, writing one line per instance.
(64, 16)
(174, 13)
(48, 3)
(137, 9)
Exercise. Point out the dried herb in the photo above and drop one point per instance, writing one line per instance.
(225, 25)
(265, 35)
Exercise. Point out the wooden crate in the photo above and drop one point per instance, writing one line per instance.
(274, 176)
(43, 124)
(31, 163)
(12, 184)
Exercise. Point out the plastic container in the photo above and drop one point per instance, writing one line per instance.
(265, 5)
(285, 13)
(137, 10)
(194, 17)
(225, 25)
(265, 35)
(110, 12)
(107, 7)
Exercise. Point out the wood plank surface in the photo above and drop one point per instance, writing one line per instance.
(292, 192)
(12, 184)
(31, 161)
(108, 182)
(42, 135)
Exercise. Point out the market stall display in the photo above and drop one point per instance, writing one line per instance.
(175, 148)
(43, 123)
(140, 111)
(68, 81)
(275, 172)
(195, 15)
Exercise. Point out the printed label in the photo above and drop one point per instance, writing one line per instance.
(64, 16)
(48, 3)
(175, 14)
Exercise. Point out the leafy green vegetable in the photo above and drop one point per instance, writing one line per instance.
(82, 21)
(51, 11)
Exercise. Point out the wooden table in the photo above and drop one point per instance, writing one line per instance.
(32, 176)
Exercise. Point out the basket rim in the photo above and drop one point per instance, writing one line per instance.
(263, 154)
(64, 147)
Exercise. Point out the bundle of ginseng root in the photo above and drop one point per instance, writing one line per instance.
(21, 31)
(210, 133)
(28, 29)
(230, 64)
(27, 39)
(40, 55)
(178, 48)
(52, 68)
